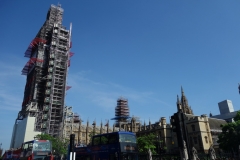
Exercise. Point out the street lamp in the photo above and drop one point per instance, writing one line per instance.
(1, 150)
(94, 127)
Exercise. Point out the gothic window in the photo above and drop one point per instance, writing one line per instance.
(195, 140)
(193, 127)
(83, 134)
(206, 139)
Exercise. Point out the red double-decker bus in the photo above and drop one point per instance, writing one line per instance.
(31, 150)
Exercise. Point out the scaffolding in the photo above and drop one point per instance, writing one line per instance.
(121, 112)
(49, 58)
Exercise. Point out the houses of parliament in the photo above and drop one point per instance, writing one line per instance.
(196, 131)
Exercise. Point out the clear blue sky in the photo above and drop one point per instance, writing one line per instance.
(141, 50)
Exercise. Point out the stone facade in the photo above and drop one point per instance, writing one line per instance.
(163, 132)
(199, 132)
(83, 132)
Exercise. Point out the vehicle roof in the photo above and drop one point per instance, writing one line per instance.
(37, 141)
(119, 132)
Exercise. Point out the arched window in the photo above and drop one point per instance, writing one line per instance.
(206, 139)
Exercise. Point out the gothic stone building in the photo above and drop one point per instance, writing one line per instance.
(199, 132)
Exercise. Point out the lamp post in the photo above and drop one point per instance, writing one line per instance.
(1, 150)
(94, 127)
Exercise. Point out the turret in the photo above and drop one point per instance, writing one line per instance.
(179, 106)
(144, 125)
(150, 125)
(184, 104)
(113, 128)
(101, 128)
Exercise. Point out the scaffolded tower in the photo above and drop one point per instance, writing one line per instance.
(49, 58)
(121, 112)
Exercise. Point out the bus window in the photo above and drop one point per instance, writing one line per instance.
(25, 146)
(104, 139)
(41, 146)
(30, 146)
(113, 138)
(25, 149)
(96, 140)
(127, 138)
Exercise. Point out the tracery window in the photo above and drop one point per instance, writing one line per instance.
(206, 139)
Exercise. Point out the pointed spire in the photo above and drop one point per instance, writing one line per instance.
(179, 106)
(184, 104)
(87, 130)
(107, 126)
(182, 91)
(144, 125)
(182, 96)
(150, 125)
(94, 123)
(101, 128)
(178, 101)
(210, 115)
(140, 127)
(184, 101)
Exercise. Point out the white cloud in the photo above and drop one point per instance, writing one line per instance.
(11, 83)
(10, 101)
(105, 94)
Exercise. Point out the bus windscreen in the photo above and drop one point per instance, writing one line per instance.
(127, 138)
(42, 146)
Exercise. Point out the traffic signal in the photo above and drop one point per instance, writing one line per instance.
(72, 137)
(175, 121)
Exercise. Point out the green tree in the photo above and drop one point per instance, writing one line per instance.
(91, 134)
(58, 144)
(146, 142)
(237, 117)
(229, 139)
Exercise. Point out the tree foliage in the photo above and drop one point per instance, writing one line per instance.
(91, 134)
(146, 142)
(229, 139)
(58, 144)
(237, 117)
